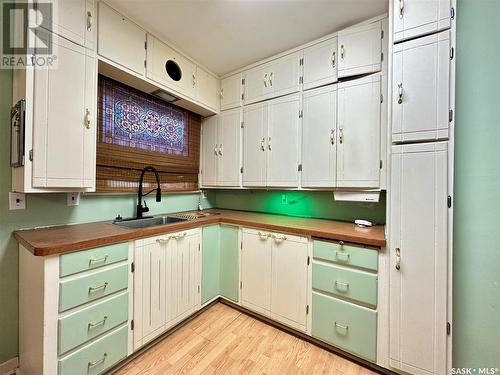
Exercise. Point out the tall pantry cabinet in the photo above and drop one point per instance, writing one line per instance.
(421, 186)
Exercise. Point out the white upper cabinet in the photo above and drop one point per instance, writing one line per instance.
(120, 40)
(414, 18)
(254, 144)
(360, 50)
(74, 20)
(207, 88)
(358, 122)
(230, 92)
(421, 89)
(169, 68)
(275, 78)
(320, 64)
(221, 146)
(210, 151)
(419, 258)
(64, 119)
(319, 129)
(270, 143)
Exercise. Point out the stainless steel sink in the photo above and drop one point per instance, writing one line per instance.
(149, 221)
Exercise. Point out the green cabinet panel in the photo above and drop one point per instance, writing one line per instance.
(87, 288)
(345, 325)
(97, 356)
(92, 321)
(349, 283)
(351, 255)
(229, 262)
(210, 263)
(88, 259)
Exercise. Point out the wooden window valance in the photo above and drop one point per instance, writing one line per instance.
(137, 129)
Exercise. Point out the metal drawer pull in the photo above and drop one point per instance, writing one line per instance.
(179, 236)
(333, 59)
(345, 285)
(101, 259)
(269, 146)
(279, 238)
(346, 327)
(398, 258)
(401, 7)
(332, 137)
(346, 255)
(92, 325)
(400, 92)
(342, 52)
(263, 235)
(94, 288)
(98, 362)
(265, 80)
(220, 149)
(163, 240)
(262, 147)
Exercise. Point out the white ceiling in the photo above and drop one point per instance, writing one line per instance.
(225, 35)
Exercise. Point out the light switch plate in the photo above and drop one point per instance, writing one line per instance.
(73, 199)
(17, 201)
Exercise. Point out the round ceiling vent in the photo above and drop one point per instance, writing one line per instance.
(173, 70)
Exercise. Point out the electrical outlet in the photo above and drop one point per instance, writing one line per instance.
(284, 199)
(17, 201)
(73, 199)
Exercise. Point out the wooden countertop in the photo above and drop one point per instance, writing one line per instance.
(65, 238)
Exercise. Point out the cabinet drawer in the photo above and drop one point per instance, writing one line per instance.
(90, 287)
(90, 322)
(342, 324)
(346, 254)
(97, 356)
(352, 284)
(85, 260)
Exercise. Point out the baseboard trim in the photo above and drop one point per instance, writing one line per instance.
(9, 367)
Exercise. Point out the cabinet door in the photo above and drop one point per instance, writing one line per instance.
(289, 280)
(358, 149)
(360, 50)
(413, 18)
(257, 86)
(113, 30)
(230, 92)
(210, 149)
(320, 64)
(229, 262)
(74, 20)
(283, 142)
(421, 89)
(207, 89)
(284, 74)
(254, 144)
(169, 68)
(256, 271)
(319, 124)
(419, 230)
(229, 148)
(64, 116)
(210, 264)
(153, 284)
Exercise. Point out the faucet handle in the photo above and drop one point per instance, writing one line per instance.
(145, 208)
(118, 218)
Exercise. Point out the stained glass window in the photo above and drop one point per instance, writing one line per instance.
(134, 119)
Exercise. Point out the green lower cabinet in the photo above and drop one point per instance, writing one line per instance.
(345, 325)
(97, 356)
(348, 283)
(229, 262)
(92, 321)
(210, 263)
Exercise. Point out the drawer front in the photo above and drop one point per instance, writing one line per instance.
(88, 259)
(353, 284)
(97, 356)
(350, 327)
(92, 321)
(346, 254)
(90, 287)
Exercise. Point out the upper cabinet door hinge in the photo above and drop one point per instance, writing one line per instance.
(448, 328)
(307, 309)
(308, 260)
(382, 34)
(241, 284)
(243, 81)
(382, 56)
(449, 201)
(301, 79)
(241, 170)
(452, 13)
(242, 124)
(145, 66)
(30, 155)
(381, 98)
(300, 114)
(381, 164)
(299, 168)
(450, 115)
(301, 61)
(452, 53)
(145, 44)
(243, 96)
(132, 267)
(198, 289)
(199, 247)
(132, 324)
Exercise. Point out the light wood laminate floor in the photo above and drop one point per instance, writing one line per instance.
(223, 340)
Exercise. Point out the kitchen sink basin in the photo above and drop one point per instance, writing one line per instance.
(149, 221)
